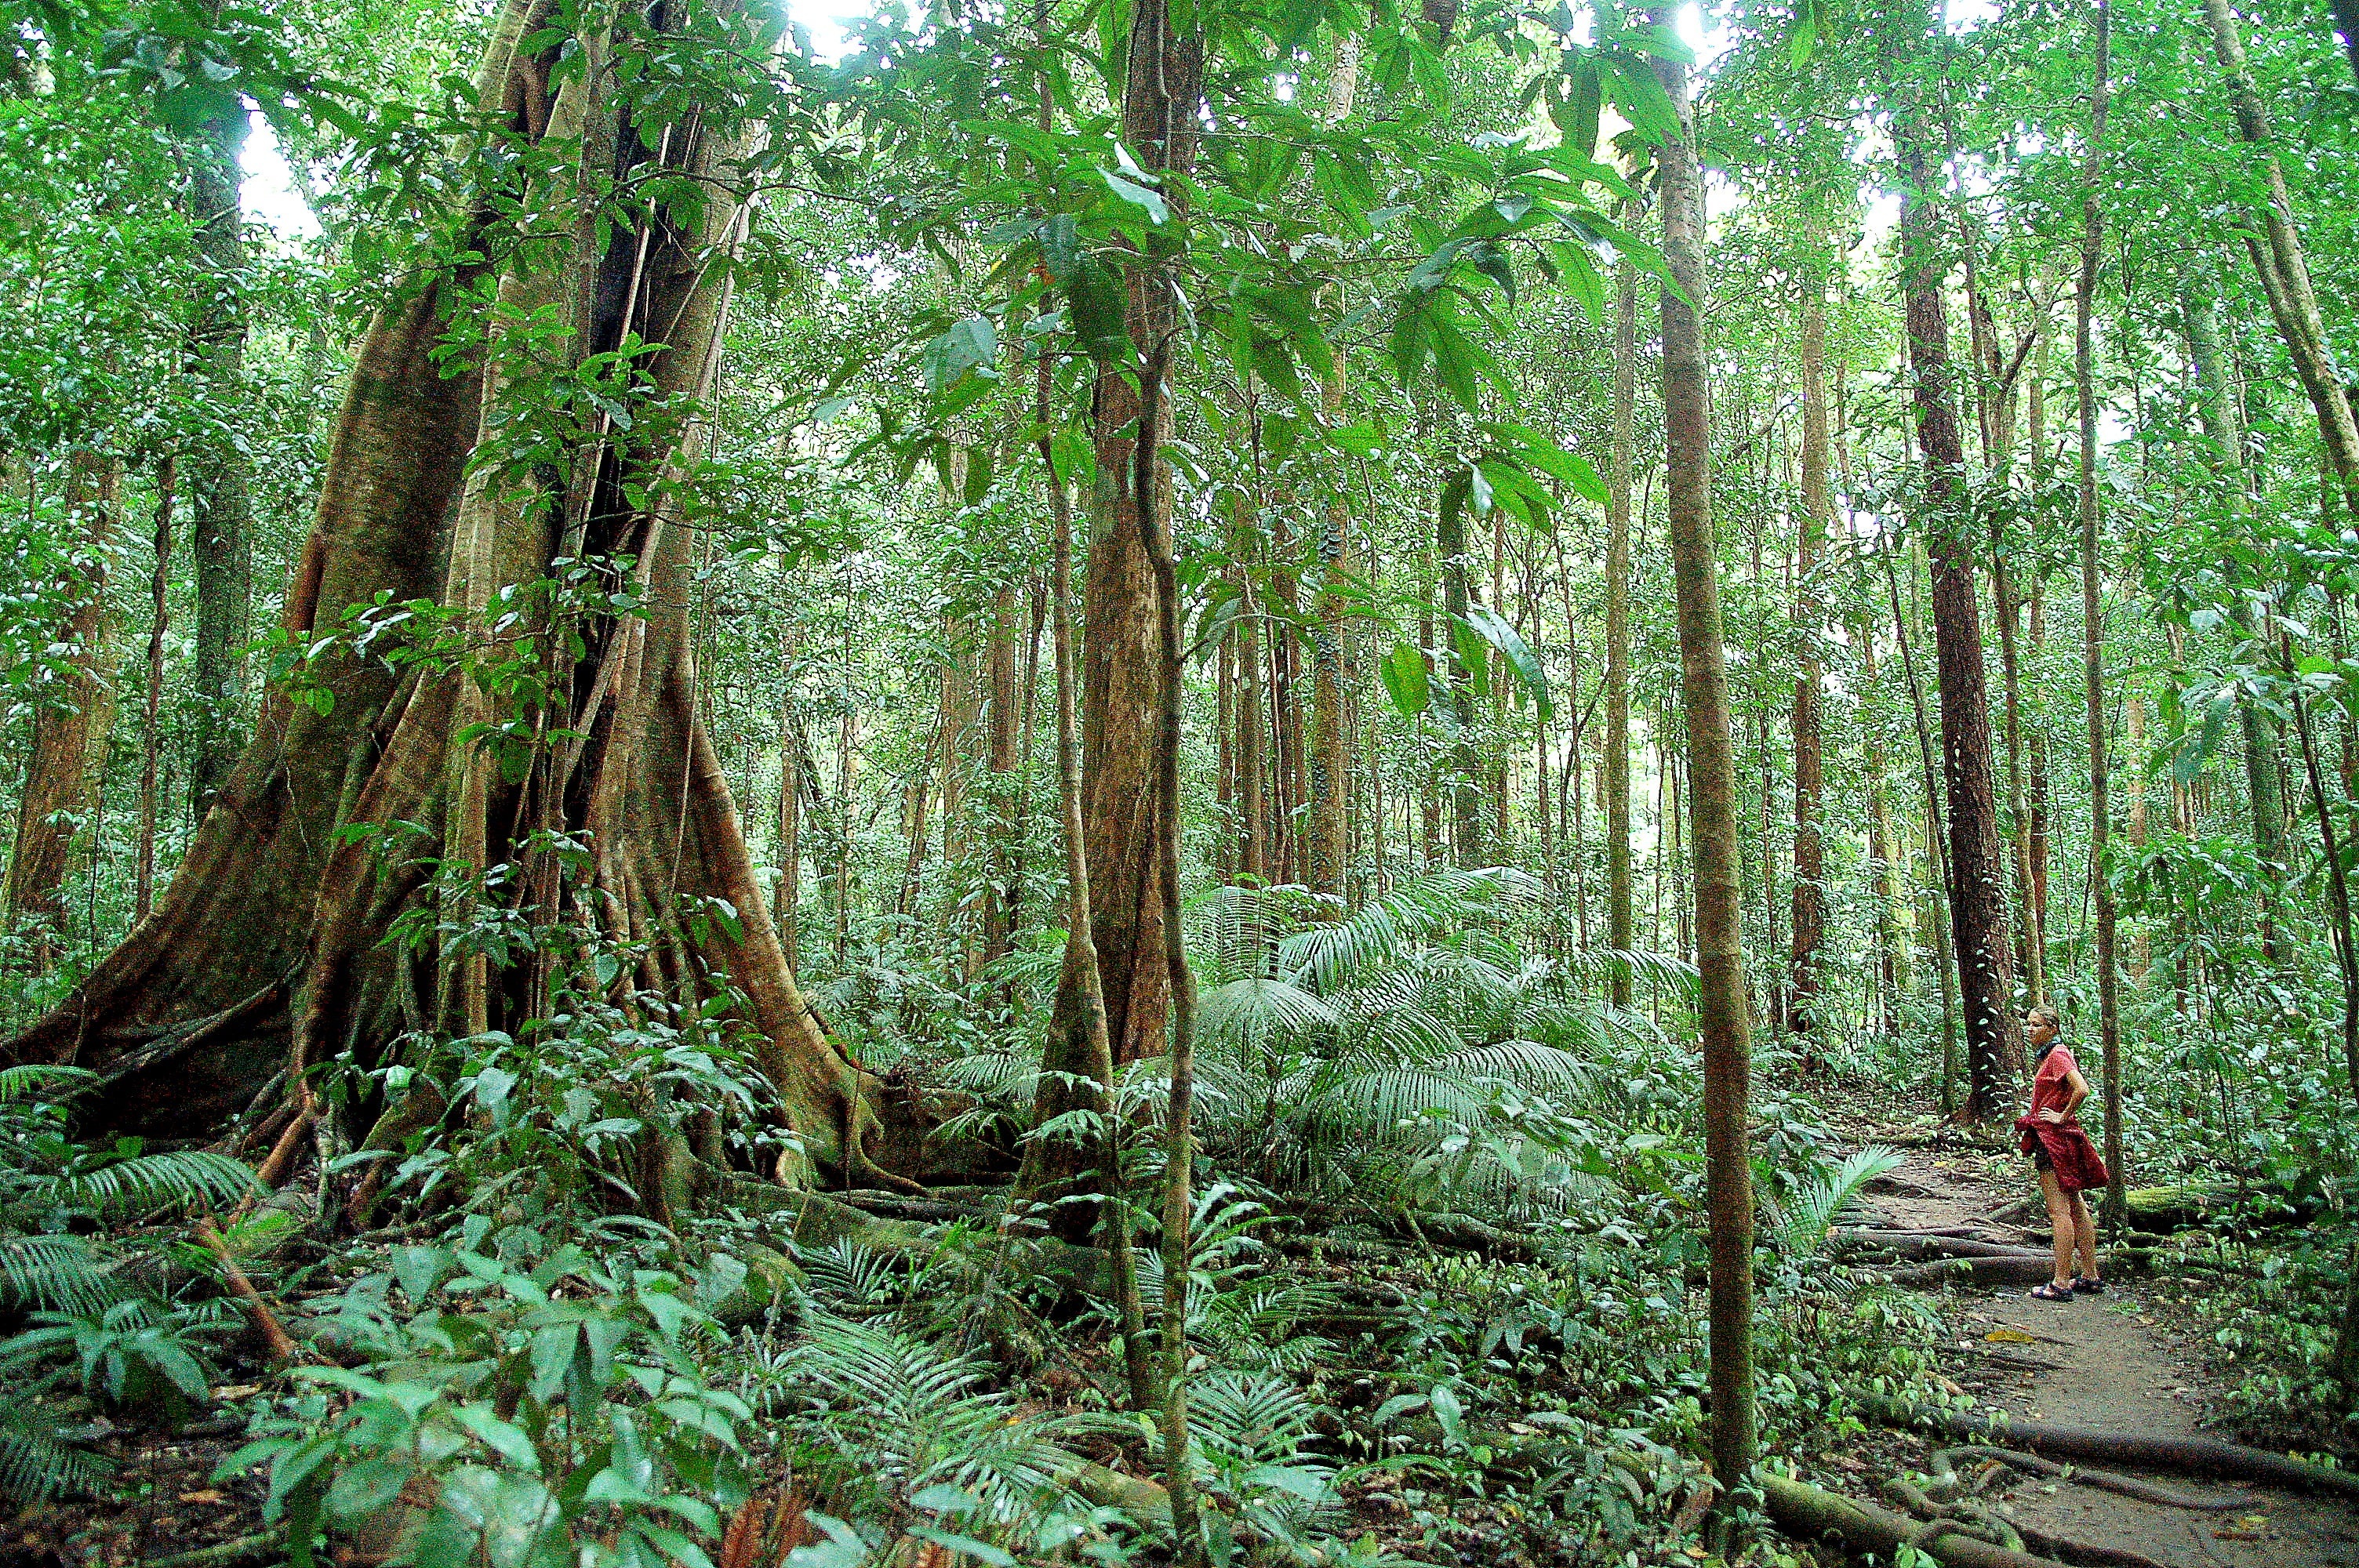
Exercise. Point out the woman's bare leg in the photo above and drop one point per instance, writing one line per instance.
(2084, 1236)
(2060, 1224)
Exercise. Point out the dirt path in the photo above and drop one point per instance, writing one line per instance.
(2101, 1361)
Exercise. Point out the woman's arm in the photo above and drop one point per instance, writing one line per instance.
(2076, 1090)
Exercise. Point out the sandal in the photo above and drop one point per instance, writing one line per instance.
(2087, 1287)
(2051, 1291)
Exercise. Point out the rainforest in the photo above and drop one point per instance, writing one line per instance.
(800, 784)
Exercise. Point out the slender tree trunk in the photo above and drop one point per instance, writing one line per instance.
(1465, 767)
(72, 715)
(2199, 303)
(1809, 914)
(1615, 775)
(1977, 905)
(1334, 666)
(220, 509)
(1936, 889)
(150, 740)
(2284, 270)
(1253, 786)
(1703, 684)
(2092, 640)
(1006, 720)
(791, 765)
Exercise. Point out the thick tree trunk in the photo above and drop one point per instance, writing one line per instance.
(1977, 900)
(1703, 684)
(1615, 774)
(1124, 673)
(268, 951)
(73, 712)
(1809, 912)
(222, 515)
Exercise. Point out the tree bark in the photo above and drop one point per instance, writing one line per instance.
(2264, 790)
(1333, 665)
(1614, 776)
(1704, 685)
(1977, 902)
(278, 920)
(1123, 671)
(72, 715)
(2092, 640)
(2285, 271)
(1808, 912)
(150, 739)
(1465, 775)
(220, 509)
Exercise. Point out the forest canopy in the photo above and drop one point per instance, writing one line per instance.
(1169, 780)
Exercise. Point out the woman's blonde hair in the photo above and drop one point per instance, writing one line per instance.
(2053, 1019)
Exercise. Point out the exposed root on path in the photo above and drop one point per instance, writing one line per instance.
(2206, 1456)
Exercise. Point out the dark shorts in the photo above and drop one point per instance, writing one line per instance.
(2040, 1159)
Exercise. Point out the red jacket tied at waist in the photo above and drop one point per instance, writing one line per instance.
(2078, 1167)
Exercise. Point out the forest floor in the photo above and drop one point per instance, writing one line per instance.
(2124, 1361)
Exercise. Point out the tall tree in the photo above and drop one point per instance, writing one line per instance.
(270, 888)
(74, 710)
(1809, 912)
(1615, 774)
(1123, 668)
(220, 508)
(1977, 900)
(2092, 639)
(1331, 662)
(1721, 1006)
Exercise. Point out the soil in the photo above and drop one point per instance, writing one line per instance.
(2111, 1361)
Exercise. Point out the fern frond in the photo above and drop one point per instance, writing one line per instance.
(183, 1177)
(34, 1463)
(1813, 1207)
(49, 1080)
(65, 1273)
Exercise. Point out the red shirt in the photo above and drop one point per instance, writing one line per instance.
(2049, 1087)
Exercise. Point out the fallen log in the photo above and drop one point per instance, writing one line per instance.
(2207, 1456)
(1806, 1513)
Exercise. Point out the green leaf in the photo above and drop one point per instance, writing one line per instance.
(982, 1551)
(1148, 201)
(1403, 673)
(970, 343)
(1493, 628)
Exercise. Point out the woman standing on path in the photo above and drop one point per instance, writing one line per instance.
(2067, 1162)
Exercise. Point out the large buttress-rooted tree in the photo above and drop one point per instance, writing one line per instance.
(1721, 1006)
(269, 949)
(1977, 889)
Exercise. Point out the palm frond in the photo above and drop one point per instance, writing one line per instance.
(1811, 1210)
(34, 1462)
(183, 1178)
(62, 1271)
(49, 1080)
